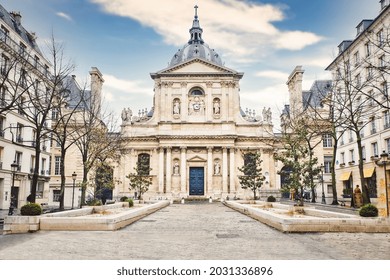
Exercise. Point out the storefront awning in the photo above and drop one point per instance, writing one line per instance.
(345, 176)
(368, 172)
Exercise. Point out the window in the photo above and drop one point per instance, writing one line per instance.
(327, 164)
(3, 92)
(382, 61)
(4, 34)
(380, 38)
(356, 58)
(19, 132)
(54, 114)
(18, 159)
(43, 167)
(57, 165)
(4, 65)
(350, 136)
(358, 80)
(373, 125)
(352, 155)
(387, 145)
(56, 195)
(364, 152)
(329, 189)
(371, 100)
(32, 164)
(144, 164)
(23, 78)
(367, 46)
(384, 89)
(22, 49)
(374, 148)
(369, 73)
(342, 158)
(40, 188)
(36, 61)
(2, 124)
(327, 140)
(386, 119)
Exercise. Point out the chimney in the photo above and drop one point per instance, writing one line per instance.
(17, 17)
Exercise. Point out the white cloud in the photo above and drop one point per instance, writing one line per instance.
(65, 16)
(226, 24)
(272, 74)
(130, 87)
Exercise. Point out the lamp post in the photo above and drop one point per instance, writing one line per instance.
(323, 201)
(384, 160)
(74, 176)
(14, 168)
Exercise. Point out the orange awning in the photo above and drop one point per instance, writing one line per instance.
(368, 172)
(345, 176)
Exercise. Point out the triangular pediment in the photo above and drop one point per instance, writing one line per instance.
(197, 65)
(197, 159)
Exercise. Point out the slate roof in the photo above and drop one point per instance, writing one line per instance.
(27, 37)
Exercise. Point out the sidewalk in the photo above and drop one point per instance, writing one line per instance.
(326, 207)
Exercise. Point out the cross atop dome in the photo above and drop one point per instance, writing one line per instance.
(196, 11)
(196, 31)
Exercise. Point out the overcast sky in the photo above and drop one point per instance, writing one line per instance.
(129, 39)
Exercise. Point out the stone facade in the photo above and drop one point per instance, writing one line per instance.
(196, 124)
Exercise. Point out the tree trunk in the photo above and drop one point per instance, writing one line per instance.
(333, 168)
(63, 179)
(34, 182)
(366, 196)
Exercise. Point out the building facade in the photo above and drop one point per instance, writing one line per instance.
(360, 74)
(196, 134)
(308, 104)
(22, 67)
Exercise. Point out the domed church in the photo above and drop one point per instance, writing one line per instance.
(196, 134)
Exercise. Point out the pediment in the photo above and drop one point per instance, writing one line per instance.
(197, 159)
(197, 65)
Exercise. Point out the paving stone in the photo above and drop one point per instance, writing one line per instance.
(189, 231)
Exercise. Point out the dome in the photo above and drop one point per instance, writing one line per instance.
(196, 47)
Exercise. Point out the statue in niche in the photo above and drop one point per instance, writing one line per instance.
(217, 168)
(176, 107)
(216, 107)
(176, 168)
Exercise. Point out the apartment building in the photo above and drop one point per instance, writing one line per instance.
(360, 79)
(23, 71)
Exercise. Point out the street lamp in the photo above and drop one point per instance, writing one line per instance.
(74, 176)
(14, 168)
(384, 160)
(323, 201)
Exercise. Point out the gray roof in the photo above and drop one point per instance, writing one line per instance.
(196, 47)
(76, 94)
(27, 37)
(314, 96)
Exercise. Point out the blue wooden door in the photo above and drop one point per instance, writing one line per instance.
(196, 181)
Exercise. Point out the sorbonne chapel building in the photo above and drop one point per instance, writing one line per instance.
(196, 134)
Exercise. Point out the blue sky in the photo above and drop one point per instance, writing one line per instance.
(128, 39)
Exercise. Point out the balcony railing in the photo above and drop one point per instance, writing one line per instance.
(5, 39)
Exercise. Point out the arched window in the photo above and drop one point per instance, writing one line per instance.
(196, 92)
(143, 164)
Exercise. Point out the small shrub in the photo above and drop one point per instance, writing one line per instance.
(271, 198)
(31, 209)
(368, 210)
(124, 198)
(94, 202)
(131, 202)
